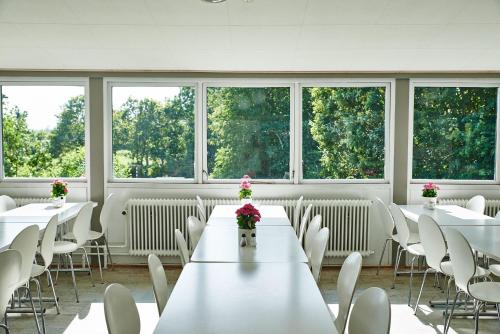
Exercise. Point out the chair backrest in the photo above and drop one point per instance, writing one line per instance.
(159, 279)
(401, 225)
(6, 203)
(346, 285)
(371, 314)
(10, 262)
(432, 240)
(81, 226)
(120, 310)
(111, 207)
(497, 216)
(303, 223)
(318, 251)
(182, 245)
(461, 257)
(195, 229)
(25, 243)
(296, 214)
(477, 204)
(48, 239)
(312, 230)
(384, 215)
(201, 212)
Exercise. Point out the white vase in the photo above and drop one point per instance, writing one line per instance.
(247, 234)
(430, 202)
(246, 201)
(58, 202)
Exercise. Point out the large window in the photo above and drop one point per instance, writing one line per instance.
(43, 130)
(248, 132)
(454, 132)
(343, 132)
(153, 132)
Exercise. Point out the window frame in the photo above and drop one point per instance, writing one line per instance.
(108, 84)
(48, 81)
(473, 83)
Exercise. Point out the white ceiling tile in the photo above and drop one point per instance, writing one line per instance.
(470, 36)
(187, 12)
(262, 12)
(264, 38)
(195, 39)
(24, 58)
(35, 11)
(420, 12)
(484, 11)
(343, 12)
(110, 11)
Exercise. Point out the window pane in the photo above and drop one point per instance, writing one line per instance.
(454, 133)
(43, 131)
(153, 132)
(248, 132)
(343, 132)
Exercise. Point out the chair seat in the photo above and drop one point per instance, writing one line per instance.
(416, 249)
(414, 238)
(447, 269)
(495, 269)
(37, 270)
(93, 235)
(486, 291)
(63, 247)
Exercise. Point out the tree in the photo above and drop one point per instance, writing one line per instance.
(70, 129)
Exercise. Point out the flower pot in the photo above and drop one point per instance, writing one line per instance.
(58, 202)
(430, 202)
(247, 234)
(246, 201)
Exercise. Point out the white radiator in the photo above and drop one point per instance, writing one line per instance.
(152, 222)
(20, 201)
(492, 205)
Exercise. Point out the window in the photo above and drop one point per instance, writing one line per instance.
(43, 130)
(153, 132)
(454, 132)
(248, 132)
(343, 132)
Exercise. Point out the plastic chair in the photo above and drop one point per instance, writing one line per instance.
(202, 210)
(371, 314)
(6, 203)
(47, 253)
(311, 232)
(81, 229)
(477, 204)
(120, 310)
(464, 269)
(10, 262)
(296, 214)
(26, 243)
(416, 250)
(182, 245)
(318, 252)
(195, 229)
(303, 223)
(159, 279)
(346, 285)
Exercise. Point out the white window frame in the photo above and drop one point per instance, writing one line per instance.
(250, 83)
(486, 83)
(389, 85)
(48, 81)
(108, 84)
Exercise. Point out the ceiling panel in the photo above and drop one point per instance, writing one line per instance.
(261, 12)
(110, 11)
(344, 12)
(187, 12)
(25, 11)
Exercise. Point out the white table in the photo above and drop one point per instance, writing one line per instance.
(274, 244)
(485, 239)
(449, 215)
(278, 298)
(271, 215)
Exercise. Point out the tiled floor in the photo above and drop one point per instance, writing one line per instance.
(88, 316)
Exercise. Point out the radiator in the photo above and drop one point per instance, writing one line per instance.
(492, 205)
(20, 201)
(152, 222)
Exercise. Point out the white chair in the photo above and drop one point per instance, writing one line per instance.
(182, 245)
(47, 253)
(159, 279)
(10, 262)
(464, 269)
(415, 250)
(296, 214)
(120, 310)
(371, 314)
(6, 203)
(81, 229)
(202, 210)
(477, 204)
(303, 224)
(346, 285)
(318, 252)
(26, 243)
(195, 229)
(312, 230)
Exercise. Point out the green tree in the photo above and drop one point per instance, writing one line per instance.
(70, 128)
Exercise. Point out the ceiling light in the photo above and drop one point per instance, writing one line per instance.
(214, 1)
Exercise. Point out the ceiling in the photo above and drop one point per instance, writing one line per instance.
(260, 35)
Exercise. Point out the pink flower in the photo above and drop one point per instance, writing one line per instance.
(245, 185)
(246, 177)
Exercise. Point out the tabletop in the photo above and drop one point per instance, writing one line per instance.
(9, 231)
(271, 215)
(485, 239)
(274, 244)
(246, 298)
(41, 213)
(449, 215)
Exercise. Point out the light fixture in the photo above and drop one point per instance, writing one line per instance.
(214, 1)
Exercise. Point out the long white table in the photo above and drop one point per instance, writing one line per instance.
(246, 298)
(449, 215)
(271, 215)
(274, 244)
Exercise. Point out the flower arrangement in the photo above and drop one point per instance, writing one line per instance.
(430, 190)
(59, 189)
(247, 216)
(245, 187)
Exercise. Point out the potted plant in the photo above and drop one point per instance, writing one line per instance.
(246, 218)
(59, 192)
(245, 190)
(429, 194)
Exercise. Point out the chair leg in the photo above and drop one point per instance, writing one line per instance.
(28, 292)
(411, 279)
(73, 277)
(448, 321)
(5, 328)
(382, 255)
(39, 292)
(107, 250)
(98, 259)
(396, 267)
(421, 288)
(476, 317)
(88, 262)
(49, 275)
(450, 279)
